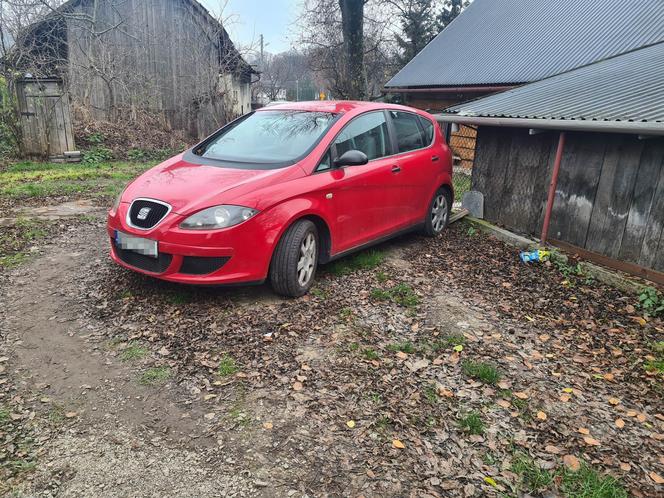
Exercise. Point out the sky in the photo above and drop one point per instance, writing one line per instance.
(248, 19)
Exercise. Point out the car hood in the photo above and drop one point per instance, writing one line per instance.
(188, 187)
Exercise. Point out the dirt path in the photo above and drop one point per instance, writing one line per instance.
(114, 435)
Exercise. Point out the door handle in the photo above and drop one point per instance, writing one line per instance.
(435, 158)
(396, 169)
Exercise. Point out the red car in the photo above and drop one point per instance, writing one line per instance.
(279, 190)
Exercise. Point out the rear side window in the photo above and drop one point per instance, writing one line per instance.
(427, 126)
(409, 133)
(366, 133)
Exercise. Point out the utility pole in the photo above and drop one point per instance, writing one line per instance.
(262, 54)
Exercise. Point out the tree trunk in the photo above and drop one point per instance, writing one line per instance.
(352, 20)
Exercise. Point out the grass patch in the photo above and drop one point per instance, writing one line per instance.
(366, 260)
(584, 483)
(133, 352)
(155, 375)
(227, 366)
(448, 341)
(484, 372)
(431, 394)
(31, 179)
(405, 347)
(401, 294)
(13, 260)
(370, 354)
(655, 366)
(472, 423)
(531, 475)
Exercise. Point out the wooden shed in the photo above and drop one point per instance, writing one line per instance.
(118, 57)
(578, 159)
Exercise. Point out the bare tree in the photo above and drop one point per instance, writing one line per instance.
(329, 44)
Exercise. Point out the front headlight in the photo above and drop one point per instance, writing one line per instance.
(116, 204)
(218, 217)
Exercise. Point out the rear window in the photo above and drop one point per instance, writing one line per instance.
(408, 130)
(268, 137)
(428, 128)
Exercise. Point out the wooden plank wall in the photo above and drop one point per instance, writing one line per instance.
(610, 195)
(45, 118)
(163, 53)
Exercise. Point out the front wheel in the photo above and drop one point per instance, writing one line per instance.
(294, 261)
(438, 214)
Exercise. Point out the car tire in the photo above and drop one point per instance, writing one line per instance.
(438, 212)
(295, 260)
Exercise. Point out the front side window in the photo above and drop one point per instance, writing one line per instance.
(366, 133)
(407, 128)
(269, 137)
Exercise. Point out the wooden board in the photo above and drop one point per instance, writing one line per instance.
(614, 193)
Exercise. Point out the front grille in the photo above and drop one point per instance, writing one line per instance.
(193, 265)
(153, 212)
(155, 265)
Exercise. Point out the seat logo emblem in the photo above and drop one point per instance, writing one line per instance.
(143, 213)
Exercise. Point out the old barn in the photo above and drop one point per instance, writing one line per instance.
(118, 57)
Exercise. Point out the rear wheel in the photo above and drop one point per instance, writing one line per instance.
(438, 214)
(294, 261)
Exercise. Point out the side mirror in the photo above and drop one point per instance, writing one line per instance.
(351, 158)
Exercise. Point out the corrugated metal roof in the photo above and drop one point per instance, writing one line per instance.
(519, 41)
(628, 87)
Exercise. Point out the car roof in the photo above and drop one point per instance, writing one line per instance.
(334, 106)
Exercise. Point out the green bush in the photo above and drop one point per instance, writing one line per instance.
(97, 155)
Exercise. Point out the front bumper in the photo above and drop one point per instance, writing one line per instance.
(236, 255)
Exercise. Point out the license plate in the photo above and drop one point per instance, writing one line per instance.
(147, 247)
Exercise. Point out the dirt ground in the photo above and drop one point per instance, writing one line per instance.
(113, 384)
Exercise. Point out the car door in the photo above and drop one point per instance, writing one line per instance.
(364, 198)
(416, 160)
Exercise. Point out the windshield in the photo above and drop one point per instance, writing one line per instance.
(269, 137)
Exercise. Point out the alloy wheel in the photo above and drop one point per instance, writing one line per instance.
(306, 263)
(439, 213)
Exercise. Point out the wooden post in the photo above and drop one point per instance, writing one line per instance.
(552, 187)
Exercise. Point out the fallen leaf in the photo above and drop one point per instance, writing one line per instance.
(490, 481)
(71, 414)
(164, 351)
(552, 449)
(608, 377)
(297, 386)
(631, 413)
(208, 397)
(267, 425)
(398, 444)
(656, 477)
(565, 398)
(541, 415)
(572, 463)
(568, 390)
(641, 417)
(401, 355)
(614, 401)
(458, 348)
(625, 466)
(504, 403)
(503, 384)
(209, 416)
(445, 392)
(351, 423)
(620, 423)
(521, 395)
(591, 441)
(583, 430)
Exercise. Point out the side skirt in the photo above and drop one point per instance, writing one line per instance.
(384, 238)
